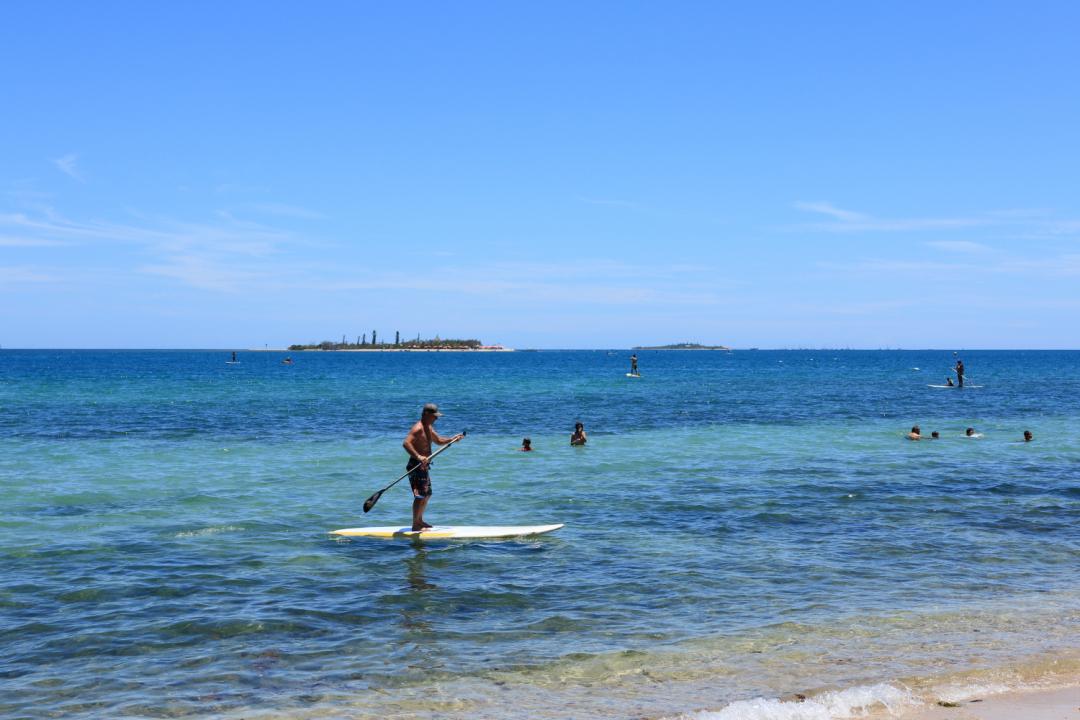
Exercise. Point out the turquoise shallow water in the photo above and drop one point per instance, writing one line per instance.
(739, 524)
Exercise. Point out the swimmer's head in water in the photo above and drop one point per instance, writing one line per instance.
(969, 432)
(1027, 436)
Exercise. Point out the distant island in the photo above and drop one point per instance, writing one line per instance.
(415, 345)
(682, 346)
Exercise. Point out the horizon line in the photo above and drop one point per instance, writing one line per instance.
(555, 349)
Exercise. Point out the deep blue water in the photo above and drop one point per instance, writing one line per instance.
(165, 550)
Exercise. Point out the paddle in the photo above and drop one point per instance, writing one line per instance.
(370, 502)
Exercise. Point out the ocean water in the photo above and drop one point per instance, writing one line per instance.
(740, 527)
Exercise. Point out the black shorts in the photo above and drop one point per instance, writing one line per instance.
(418, 479)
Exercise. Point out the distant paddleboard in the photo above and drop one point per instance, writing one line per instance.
(951, 387)
(633, 374)
(232, 362)
(449, 532)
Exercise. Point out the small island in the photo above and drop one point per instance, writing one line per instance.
(683, 346)
(435, 344)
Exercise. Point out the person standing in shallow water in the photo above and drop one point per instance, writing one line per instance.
(578, 438)
(418, 444)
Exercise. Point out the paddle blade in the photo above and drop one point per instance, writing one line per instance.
(370, 502)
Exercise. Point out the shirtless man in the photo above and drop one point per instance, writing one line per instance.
(915, 434)
(418, 445)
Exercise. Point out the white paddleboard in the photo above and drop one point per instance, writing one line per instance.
(633, 374)
(449, 532)
(232, 362)
(954, 386)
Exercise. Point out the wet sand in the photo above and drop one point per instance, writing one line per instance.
(1052, 704)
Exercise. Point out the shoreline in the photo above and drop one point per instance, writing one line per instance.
(1057, 703)
(922, 699)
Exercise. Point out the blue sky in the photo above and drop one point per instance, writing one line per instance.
(840, 174)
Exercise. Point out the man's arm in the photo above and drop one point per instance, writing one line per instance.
(440, 440)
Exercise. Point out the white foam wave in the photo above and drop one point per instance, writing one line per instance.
(963, 693)
(207, 531)
(831, 705)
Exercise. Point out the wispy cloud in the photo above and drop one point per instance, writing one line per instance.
(824, 208)
(233, 255)
(202, 272)
(69, 166)
(851, 221)
(588, 282)
(22, 275)
(960, 246)
(1063, 227)
(282, 210)
(226, 255)
(1063, 265)
(162, 234)
(15, 241)
(924, 267)
(856, 308)
(1050, 266)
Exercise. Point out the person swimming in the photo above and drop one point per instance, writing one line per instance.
(970, 432)
(1028, 437)
(526, 445)
(578, 438)
(915, 434)
(935, 435)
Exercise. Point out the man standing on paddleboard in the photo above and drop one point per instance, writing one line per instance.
(960, 372)
(418, 445)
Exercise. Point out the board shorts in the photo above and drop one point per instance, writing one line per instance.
(418, 479)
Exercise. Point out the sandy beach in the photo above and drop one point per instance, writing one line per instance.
(1048, 704)
(890, 702)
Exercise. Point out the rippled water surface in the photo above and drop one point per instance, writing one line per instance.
(739, 523)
